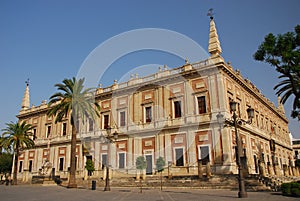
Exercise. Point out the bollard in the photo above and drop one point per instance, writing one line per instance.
(93, 185)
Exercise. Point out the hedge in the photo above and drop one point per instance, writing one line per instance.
(291, 189)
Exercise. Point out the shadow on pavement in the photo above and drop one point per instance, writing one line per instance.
(212, 195)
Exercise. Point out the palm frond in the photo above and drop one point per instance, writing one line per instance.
(73, 99)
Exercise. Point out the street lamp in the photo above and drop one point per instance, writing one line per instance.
(234, 122)
(110, 139)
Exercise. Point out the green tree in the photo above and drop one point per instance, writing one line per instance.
(141, 164)
(72, 99)
(160, 166)
(6, 160)
(283, 52)
(16, 137)
(89, 166)
(297, 163)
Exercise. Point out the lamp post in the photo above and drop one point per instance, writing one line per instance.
(272, 148)
(110, 139)
(234, 122)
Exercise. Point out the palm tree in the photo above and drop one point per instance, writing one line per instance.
(286, 88)
(16, 136)
(72, 99)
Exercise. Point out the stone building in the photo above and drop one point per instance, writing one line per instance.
(172, 114)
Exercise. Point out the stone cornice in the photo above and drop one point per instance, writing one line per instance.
(164, 77)
(31, 112)
(251, 89)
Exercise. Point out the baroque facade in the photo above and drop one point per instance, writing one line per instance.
(172, 114)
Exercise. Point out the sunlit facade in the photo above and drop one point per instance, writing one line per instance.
(172, 114)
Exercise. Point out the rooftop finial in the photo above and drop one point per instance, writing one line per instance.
(214, 47)
(210, 13)
(27, 82)
(26, 98)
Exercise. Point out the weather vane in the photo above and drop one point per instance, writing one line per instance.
(27, 81)
(210, 13)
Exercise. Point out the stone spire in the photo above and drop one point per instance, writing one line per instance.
(214, 47)
(280, 105)
(26, 98)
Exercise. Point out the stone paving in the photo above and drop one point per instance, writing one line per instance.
(59, 193)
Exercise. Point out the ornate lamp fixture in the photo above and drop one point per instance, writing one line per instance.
(110, 139)
(235, 121)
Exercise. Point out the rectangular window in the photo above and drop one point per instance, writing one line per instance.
(121, 160)
(262, 157)
(148, 112)
(179, 157)
(104, 160)
(105, 121)
(20, 166)
(61, 164)
(48, 131)
(30, 166)
(177, 109)
(204, 154)
(229, 100)
(76, 162)
(34, 133)
(122, 118)
(64, 129)
(238, 112)
(91, 125)
(255, 163)
(201, 105)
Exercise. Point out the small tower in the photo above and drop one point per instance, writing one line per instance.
(214, 47)
(26, 98)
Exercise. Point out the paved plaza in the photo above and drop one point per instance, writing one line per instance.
(58, 193)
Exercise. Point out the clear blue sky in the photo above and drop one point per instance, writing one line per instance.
(47, 41)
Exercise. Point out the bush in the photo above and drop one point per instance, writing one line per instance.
(286, 188)
(89, 166)
(291, 189)
(295, 189)
(6, 160)
(297, 163)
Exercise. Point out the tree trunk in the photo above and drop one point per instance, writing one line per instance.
(141, 184)
(161, 180)
(72, 178)
(15, 179)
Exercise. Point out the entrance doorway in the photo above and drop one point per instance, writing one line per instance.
(255, 163)
(179, 156)
(149, 164)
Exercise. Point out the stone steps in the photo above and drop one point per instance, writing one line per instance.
(45, 180)
(215, 182)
